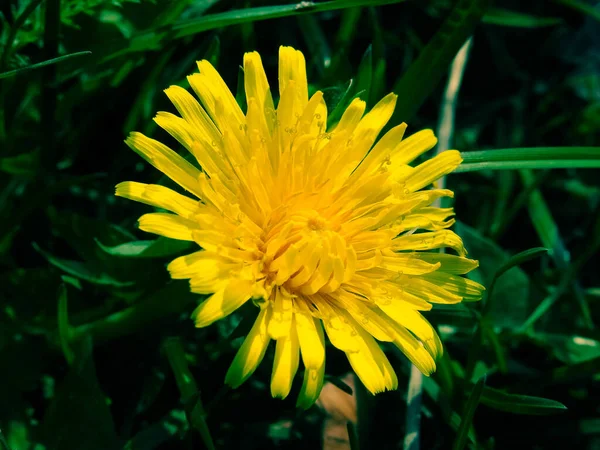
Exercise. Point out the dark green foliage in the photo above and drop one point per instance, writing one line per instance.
(97, 349)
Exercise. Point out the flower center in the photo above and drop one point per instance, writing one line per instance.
(306, 254)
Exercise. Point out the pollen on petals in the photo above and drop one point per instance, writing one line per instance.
(330, 232)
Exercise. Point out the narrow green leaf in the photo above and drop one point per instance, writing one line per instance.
(80, 270)
(520, 404)
(190, 395)
(159, 433)
(240, 93)
(39, 65)
(424, 74)
(364, 78)
(359, 87)
(3, 442)
(581, 7)
(159, 248)
(352, 436)
(530, 158)
(339, 384)
(64, 332)
(468, 413)
(508, 18)
(23, 164)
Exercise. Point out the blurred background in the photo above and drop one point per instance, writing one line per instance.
(97, 350)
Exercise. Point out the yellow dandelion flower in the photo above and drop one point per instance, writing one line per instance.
(321, 228)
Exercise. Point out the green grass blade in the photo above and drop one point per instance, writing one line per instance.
(531, 158)
(238, 16)
(39, 65)
(507, 18)
(64, 332)
(154, 39)
(427, 70)
(467, 418)
(190, 395)
(581, 7)
(520, 404)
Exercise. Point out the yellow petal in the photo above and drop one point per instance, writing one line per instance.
(469, 290)
(166, 160)
(223, 302)
(193, 113)
(428, 241)
(158, 196)
(210, 87)
(414, 322)
(366, 317)
(432, 169)
(285, 364)
(193, 264)
(257, 87)
(380, 154)
(311, 386)
(251, 352)
(372, 366)
(281, 318)
(414, 350)
(450, 263)
(292, 67)
(311, 339)
(168, 225)
(412, 147)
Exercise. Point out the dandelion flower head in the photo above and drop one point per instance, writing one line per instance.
(328, 231)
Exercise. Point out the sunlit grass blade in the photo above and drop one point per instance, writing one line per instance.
(467, 417)
(520, 404)
(427, 70)
(39, 65)
(531, 158)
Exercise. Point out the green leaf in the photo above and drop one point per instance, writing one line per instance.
(568, 348)
(513, 261)
(427, 70)
(359, 87)
(520, 404)
(78, 416)
(81, 270)
(511, 300)
(63, 325)
(23, 164)
(11, 73)
(508, 18)
(530, 158)
(159, 433)
(159, 248)
(468, 413)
